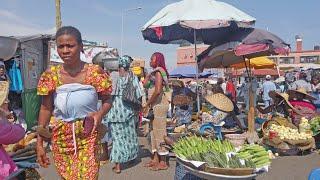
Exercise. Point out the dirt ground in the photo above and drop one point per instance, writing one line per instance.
(282, 168)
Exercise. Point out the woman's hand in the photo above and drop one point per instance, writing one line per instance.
(42, 157)
(145, 110)
(97, 117)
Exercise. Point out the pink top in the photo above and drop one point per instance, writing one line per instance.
(9, 134)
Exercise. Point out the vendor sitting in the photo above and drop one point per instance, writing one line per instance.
(303, 102)
(9, 134)
(182, 102)
(280, 105)
(182, 109)
(223, 109)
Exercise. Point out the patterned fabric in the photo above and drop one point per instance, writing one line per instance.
(183, 114)
(83, 164)
(164, 76)
(74, 154)
(125, 146)
(121, 119)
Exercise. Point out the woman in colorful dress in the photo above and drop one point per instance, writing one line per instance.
(122, 118)
(70, 93)
(157, 84)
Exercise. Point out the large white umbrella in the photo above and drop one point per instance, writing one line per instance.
(207, 21)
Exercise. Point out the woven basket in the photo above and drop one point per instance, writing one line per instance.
(278, 121)
(229, 171)
(180, 100)
(236, 139)
(300, 142)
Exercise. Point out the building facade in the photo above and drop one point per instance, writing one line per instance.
(186, 56)
(299, 57)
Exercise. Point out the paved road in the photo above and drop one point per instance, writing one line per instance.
(283, 168)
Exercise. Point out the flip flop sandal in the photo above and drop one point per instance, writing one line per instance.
(116, 171)
(149, 164)
(104, 162)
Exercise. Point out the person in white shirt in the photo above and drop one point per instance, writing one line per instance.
(268, 86)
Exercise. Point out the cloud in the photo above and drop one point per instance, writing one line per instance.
(14, 25)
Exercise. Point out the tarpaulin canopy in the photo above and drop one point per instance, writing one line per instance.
(256, 63)
(246, 43)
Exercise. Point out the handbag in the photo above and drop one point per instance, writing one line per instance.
(129, 94)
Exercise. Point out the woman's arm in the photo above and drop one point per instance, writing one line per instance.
(44, 115)
(157, 91)
(105, 107)
(43, 120)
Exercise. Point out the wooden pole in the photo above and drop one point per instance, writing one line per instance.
(58, 15)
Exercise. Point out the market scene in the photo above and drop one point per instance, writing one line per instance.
(209, 89)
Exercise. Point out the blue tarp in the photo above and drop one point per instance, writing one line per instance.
(187, 71)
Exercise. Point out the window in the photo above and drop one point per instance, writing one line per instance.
(309, 59)
(286, 60)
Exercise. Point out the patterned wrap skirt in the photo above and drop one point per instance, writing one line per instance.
(75, 155)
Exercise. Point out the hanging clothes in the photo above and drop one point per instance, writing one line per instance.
(15, 77)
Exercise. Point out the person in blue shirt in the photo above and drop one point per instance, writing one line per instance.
(268, 86)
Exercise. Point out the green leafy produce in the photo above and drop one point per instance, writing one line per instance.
(215, 159)
(315, 125)
(192, 147)
(256, 154)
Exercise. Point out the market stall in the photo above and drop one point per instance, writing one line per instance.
(24, 66)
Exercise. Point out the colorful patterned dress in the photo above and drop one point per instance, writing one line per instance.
(75, 155)
(122, 118)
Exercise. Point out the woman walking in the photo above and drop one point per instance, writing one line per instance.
(123, 116)
(157, 83)
(70, 92)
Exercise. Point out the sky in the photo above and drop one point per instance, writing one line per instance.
(100, 20)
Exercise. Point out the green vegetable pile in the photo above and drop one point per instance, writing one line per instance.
(215, 159)
(255, 153)
(213, 152)
(192, 147)
(315, 125)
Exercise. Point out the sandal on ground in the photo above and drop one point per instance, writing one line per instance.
(116, 171)
(104, 162)
(149, 164)
(159, 168)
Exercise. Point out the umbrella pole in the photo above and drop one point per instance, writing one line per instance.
(197, 69)
(252, 136)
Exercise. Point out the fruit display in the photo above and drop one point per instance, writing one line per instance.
(256, 154)
(304, 126)
(289, 133)
(315, 125)
(191, 147)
